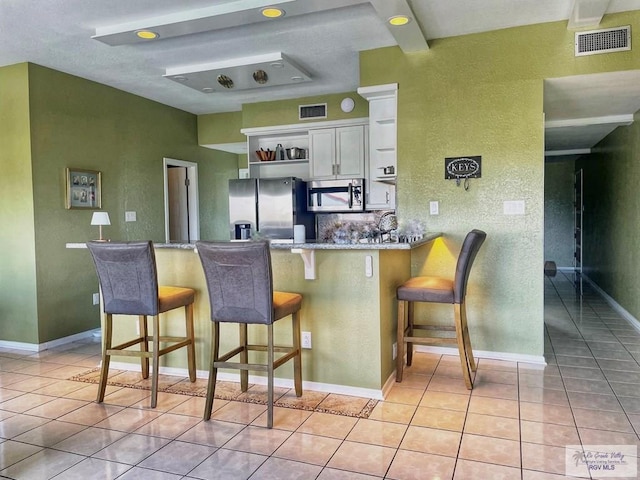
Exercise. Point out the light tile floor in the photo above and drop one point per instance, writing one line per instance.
(513, 425)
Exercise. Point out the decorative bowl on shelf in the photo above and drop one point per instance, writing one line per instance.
(295, 153)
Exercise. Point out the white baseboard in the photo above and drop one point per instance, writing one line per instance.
(509, 357)
(35, 347)
(259, 380)
(633, 321)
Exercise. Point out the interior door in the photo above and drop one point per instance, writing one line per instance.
(178, 189)
(578, 211)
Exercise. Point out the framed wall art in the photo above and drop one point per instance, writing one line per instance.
(84, 188)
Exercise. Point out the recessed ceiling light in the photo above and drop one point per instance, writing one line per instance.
(180, 78)
(272, 12)
(297, 79)
(399, 20)
(207, 89)
(147, 34)
(277, 65)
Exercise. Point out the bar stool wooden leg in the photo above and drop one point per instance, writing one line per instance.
(270, 359)
(144, 345)
(400, 340)
(297, 360)
(410, 308)
(191, 349)
(461, 348)
(213, 371)
(155, 361)
(106, 346)
(244, 357)
(467, 338)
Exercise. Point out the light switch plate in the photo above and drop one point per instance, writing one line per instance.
(129, 216)
(434, 208)
(368, 266)
(513, 207)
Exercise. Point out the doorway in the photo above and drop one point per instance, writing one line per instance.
(181, 217)
(578, 211)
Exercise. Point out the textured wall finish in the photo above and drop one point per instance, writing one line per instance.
(81, 124)
(611, 256)
(483, 95)
(18, 306)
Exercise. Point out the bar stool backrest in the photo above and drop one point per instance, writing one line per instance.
(472, 243)
(239, 281)
(128, 277)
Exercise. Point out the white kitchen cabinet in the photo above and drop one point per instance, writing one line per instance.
(346, 141)
(382, 165)
(337, 152)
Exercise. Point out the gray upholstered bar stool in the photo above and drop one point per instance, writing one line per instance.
(129, 284)
(240, 287)
(439, 290)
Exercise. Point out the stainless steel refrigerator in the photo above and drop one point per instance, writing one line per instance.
(269, 206)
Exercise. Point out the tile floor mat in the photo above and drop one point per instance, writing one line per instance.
(283, 397)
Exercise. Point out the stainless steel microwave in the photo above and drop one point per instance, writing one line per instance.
(336, 195)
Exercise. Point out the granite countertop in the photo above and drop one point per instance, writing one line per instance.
(282, 245)
(427, 237)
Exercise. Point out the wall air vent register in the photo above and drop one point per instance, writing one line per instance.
(603, 41)
(309, 112)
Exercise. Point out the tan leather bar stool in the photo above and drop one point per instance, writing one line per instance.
(129, 284)
(439, 290)
(240, 287)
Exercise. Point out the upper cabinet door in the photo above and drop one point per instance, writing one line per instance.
(322, 153)
(350, 152)
(337, 152)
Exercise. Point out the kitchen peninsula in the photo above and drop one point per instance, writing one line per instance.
(349, 308)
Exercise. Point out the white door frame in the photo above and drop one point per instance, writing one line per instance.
(194, 216)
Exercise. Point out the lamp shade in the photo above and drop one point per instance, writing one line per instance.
(100, 218)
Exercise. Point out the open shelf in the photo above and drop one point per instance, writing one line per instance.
(265, 163)
(386, 120)
(391, 179)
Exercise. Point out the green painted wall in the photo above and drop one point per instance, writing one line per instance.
(612, 215)
(558, 213)
(83, 124)
(483, 95)
(220, 128)
(18, 306)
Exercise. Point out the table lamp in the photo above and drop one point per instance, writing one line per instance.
(100, 219)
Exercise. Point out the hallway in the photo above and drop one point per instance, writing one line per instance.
(513, 425)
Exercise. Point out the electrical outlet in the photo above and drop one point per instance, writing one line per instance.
(306, 339)
(96, 298)
(395, 350)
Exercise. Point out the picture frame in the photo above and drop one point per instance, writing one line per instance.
(84, 189)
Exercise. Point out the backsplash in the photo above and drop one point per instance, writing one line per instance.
(364, 228)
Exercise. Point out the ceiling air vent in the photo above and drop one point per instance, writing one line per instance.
(308, 112)
(603, 41)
